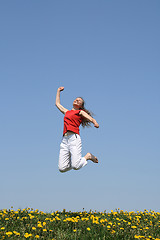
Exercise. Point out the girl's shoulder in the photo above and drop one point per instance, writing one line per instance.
(81, 111)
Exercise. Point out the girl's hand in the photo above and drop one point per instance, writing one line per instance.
(96, 125)
(60, 89)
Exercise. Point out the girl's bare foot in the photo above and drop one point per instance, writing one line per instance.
(91, 157)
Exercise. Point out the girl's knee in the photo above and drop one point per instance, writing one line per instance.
(61, 170)
(64, 169)
(76, 166)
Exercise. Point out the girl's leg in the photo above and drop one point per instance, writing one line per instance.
(64, 157)
(75, 144)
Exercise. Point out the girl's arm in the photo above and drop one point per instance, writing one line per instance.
(88, 117)
(58, 105)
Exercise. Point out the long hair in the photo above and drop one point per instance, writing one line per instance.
(85, 122)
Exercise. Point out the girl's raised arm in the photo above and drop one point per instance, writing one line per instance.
(88, 117)
(58, 105)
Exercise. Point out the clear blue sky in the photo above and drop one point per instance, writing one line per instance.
(108, 52)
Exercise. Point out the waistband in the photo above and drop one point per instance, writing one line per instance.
(69, 133)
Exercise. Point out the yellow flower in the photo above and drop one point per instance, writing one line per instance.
(133, 227)
(9, 233)
(37, 236)
(88, 229)
(74, 230)
(16, 233)
(27, 235)
(136, 236)
(39, 225)
(33, 228)
(44, 230)
(2, 228)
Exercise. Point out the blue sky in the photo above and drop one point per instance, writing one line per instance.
(108, 52)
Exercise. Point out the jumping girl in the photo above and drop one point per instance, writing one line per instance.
(70, 156)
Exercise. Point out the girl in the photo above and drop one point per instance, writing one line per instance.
(70, 156)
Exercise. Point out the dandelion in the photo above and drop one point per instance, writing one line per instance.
(27, 235)
(39, 225)
(31, 217)
(9, 234)
(141, 223)
(16, 233)
(136, 236)
(146, 228)
(133, 227)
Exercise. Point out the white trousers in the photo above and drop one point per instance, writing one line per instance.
(70, 156)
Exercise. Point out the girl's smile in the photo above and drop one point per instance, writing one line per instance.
(77, 103)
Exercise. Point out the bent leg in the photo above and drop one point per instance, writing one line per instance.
(64, 164)
(77, 161)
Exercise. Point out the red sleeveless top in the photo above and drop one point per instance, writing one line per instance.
(72, 121)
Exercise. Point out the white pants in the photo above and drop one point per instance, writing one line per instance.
(70, 156)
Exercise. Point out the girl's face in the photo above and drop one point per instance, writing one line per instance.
(77, 103)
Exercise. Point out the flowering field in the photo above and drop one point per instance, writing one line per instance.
(35, 224)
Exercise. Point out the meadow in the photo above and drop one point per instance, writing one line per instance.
(115, 225)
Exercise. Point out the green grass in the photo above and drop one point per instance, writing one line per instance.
(116, 225)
